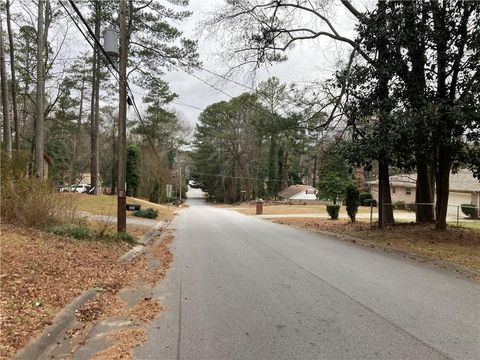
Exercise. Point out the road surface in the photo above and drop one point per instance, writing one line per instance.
(244, 288)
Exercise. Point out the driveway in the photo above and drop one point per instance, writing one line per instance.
(243, 288)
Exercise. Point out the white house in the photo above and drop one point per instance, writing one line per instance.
(464, 189)
(298, 193)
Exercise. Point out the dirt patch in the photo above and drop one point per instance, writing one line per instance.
(124, 341)
(457, 245)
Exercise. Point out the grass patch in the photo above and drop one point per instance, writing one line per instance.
(107, 204)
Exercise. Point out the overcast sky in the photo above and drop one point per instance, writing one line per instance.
(308, 61)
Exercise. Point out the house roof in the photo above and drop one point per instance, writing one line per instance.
(463, 180)
(293, 190)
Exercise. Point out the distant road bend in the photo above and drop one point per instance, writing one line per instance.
(245, 288)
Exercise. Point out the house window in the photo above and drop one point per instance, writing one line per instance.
(408, 191)
(393, 190)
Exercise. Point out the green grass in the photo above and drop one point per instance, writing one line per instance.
(469, 224)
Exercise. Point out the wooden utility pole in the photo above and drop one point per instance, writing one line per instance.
(39, 100)
(7, 131)
(122, 122)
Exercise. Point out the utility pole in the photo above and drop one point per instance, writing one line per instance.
(122, 122)
(39, 101)
(180, 178)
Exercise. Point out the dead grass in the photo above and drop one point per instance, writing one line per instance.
(107, 204)
(457, 245)
(274, 209)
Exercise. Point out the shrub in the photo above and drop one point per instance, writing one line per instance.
(78, 231)
(399, 205)
(364, 198)
(370, 202)
(123, 236)
(410, 207)
(33, 203)
(470, 210)
(352, 201)
(333, 211)
(146, 213)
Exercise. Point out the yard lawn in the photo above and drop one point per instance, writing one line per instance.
(41, 273)
(282, 209)
(457, 245)
(107, 204)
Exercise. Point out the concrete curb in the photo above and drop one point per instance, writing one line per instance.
(145, 241)
(35, 348)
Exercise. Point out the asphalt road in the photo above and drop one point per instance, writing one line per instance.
(245, 288)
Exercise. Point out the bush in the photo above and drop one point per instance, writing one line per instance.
(364, 198)
(146, 213)
(80, 232)
(399, 205)
(410, 207)
(470, 210)
(333, 211)
(33, 203)
(352, 201)
(371, 202)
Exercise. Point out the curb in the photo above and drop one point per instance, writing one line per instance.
(35, 348)
(146, 239)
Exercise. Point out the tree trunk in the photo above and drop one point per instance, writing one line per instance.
(273, 167)
(7, 131)
(78, 134)
(94, 117)
(424, 191)
(14, 78)
(385, 208)
(442, 180)
(39, 103)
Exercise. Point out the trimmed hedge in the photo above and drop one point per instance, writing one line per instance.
(399, 205)
(333, 211)
(364, 198)
(148, 213)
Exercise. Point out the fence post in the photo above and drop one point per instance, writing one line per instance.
(458, 213)
(371, 212)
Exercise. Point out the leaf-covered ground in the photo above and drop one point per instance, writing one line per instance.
(41, 273)
(456, 245)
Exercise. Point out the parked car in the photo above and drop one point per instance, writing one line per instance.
(82, 188)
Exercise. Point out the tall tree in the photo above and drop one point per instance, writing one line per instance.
(14, 77)
(7, 132)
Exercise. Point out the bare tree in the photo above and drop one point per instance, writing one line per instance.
(14, 78)
(7, 132)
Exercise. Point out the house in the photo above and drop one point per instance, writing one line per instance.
(464, 189)
(298, 194)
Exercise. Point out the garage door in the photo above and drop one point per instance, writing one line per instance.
(456, 199)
